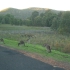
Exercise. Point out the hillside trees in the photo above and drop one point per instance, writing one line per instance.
(1, 18)
(36, 19)
(65, 23)
(57, 21)
(61, 22)
(27, 22)
(43, 19)
(7, 19)
(10, 19)
(48, 17)
(34, 14)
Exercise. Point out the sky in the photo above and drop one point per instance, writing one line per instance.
(22, 4)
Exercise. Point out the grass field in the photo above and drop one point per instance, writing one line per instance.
(39, 35)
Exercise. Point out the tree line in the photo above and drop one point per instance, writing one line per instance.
(10, 19)
(57, 21)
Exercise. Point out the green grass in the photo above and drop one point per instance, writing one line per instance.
(38, 49)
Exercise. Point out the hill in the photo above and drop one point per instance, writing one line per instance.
(24, 13)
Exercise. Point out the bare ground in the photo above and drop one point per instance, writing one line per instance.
(50, 61)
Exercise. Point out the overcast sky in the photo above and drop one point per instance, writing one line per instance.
(22, 4)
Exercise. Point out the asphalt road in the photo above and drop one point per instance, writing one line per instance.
(12, 60)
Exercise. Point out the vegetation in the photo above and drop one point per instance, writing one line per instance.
(57, 21)
(39, 35)
(61, 23)
(22, 14)
(41, 27)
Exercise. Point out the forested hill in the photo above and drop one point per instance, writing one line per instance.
(24, 13)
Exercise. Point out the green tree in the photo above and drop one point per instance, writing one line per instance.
(34, 14)
(65, 23)
(27, 22)
(56, 21)
(47, 19)
(38, 21)
(1, 18)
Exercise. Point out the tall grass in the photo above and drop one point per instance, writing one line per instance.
(41, 35)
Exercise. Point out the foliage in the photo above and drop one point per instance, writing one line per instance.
(65, 22)
(22, 14)
(44, 19)
(37, 18)
(57, 21)
(38, 21)
(62, 22)
(10, 19)
(39, 35)
(49, 16)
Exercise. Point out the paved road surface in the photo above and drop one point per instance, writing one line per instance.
(12, 60)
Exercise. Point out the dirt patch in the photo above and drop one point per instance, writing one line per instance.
(50, 61)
